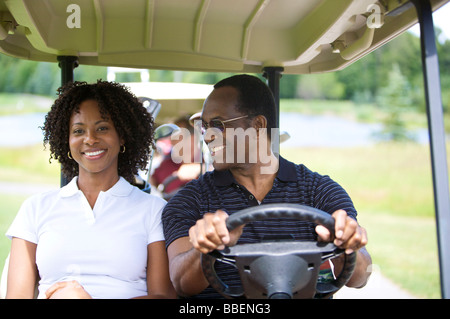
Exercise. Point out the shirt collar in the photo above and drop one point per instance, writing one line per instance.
(121, 188)
(286, 172)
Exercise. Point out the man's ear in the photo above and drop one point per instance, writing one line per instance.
(259, 122)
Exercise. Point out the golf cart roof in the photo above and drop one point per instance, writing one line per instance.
(306, 36)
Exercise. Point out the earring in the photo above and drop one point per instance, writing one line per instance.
(69, 155)
(122, 150)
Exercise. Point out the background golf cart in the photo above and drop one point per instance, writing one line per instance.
(230, 36)
(166, 102)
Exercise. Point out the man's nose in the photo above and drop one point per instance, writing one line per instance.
(210, 135)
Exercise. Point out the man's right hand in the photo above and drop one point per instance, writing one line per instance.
(210, 233)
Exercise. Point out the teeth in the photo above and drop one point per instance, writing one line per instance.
(94, 153)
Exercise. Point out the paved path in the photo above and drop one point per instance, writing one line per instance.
(378, 287)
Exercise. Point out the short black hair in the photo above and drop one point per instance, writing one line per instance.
(130, 118)
(254, 97)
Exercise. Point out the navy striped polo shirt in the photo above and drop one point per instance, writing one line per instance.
(219, 190)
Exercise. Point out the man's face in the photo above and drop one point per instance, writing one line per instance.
(227, 149)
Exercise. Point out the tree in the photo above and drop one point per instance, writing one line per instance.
(395, 97)
(320, 86)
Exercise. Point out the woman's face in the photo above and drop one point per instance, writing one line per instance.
(93, 140)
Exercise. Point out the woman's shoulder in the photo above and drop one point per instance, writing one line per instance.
(40, 198)
(138, 194)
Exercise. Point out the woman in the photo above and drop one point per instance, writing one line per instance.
(98, 236)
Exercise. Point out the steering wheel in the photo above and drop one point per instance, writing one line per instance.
(279, 269)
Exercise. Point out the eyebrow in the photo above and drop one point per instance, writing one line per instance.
(98, 122)
(218, 117)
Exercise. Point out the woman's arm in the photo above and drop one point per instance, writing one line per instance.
(22, 270)
(158, 279)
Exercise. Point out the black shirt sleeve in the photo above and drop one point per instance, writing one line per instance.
(181, 213)
(330, 196)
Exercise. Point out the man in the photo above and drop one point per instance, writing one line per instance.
(194, 220)
(180, 166)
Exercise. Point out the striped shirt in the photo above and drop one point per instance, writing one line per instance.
(219, 190)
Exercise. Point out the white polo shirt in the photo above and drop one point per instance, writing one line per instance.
(104, 248)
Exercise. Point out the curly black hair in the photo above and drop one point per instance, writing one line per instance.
(130, 118)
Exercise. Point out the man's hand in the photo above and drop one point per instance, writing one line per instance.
(348, 234)
(211, 233)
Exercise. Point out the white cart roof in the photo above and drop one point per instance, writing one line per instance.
(302, 36)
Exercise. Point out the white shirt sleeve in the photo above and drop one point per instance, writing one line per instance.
(24, 224)
(154, 223)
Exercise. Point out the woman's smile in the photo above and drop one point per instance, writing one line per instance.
(94, 154)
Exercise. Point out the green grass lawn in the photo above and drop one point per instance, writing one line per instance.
(391, 187)
(13, 103)
(28, 164)
(9, 205)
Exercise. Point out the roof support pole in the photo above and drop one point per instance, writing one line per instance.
(273, 76)
(430, 65)
(67, 64)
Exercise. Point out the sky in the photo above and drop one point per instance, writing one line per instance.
(441, 18)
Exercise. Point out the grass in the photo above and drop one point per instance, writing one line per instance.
(28, 164)
(9, 205)
(12, 103)
(391, 187)
(405, 250)
(393, 177)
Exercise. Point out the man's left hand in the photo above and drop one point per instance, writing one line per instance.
(348, 234)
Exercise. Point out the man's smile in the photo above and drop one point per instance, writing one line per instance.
(215, 149)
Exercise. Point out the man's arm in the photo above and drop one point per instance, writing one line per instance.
(362, 270)
(184, 253)
(185, 268)
(349, 235)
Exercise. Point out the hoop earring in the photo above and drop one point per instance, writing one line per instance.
(122, 150)
(69, 156)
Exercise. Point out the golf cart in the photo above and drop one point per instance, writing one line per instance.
(256, 36)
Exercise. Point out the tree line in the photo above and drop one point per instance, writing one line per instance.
(390, 74)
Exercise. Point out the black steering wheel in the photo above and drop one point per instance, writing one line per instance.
(279, 269)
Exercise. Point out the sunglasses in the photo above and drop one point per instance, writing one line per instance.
(216, 123)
